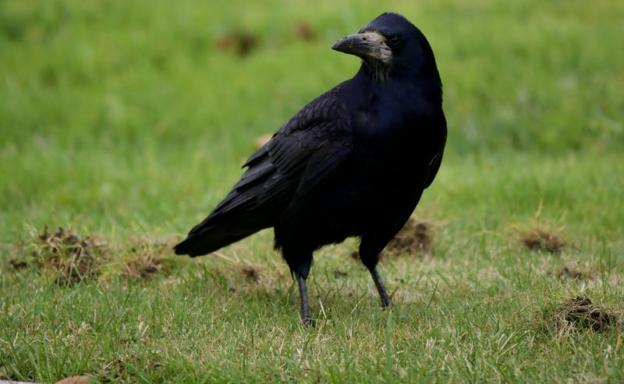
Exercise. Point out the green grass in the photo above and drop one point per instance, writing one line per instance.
(123, 121)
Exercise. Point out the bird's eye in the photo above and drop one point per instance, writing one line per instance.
(393, 41)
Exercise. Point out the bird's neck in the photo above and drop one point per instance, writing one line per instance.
(375, 71)
(428, 85)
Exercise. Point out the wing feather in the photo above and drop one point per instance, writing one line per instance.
(302, 154)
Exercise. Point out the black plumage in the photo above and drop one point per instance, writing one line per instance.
(353, 162)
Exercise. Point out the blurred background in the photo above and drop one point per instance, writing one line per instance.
(140, 113)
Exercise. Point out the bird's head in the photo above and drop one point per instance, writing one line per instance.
(389, 45)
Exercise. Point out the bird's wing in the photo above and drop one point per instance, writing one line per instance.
(300, 156)
(434, 164)
(312, 144)
(432, 169)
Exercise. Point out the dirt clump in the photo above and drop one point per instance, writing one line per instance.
(575, 273)
(540, 239)
(251, 273)
(18, 264)
(143, 267)
(581, 313)
(240, 42)
(304, 31)
(415, 238)
(71, 257)
(148, 258)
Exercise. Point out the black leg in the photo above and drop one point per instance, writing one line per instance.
(383, 295)
(303, 294)
(299, 261)
(370, 249)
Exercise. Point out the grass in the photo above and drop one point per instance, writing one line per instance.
(123, 121)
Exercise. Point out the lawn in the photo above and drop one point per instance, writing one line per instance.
(126, 122)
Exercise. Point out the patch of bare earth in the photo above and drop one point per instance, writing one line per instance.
(540, 239)
(147, 259)
(71, 257)
(580, 313)
(415, 238)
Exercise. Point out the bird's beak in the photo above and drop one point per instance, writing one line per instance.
(367, 45)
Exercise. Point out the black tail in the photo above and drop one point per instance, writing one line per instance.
(210, 239)
(252, 205)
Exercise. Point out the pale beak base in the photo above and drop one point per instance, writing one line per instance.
(367, 45)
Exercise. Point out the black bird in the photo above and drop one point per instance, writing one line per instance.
(353, 162)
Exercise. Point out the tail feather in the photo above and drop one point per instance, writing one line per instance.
(209, 240)
(251, 206)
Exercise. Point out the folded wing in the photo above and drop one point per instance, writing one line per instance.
(298, 158)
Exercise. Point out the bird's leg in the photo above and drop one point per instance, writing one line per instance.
(303, 294)
(369, 254)
(299, 261)
(383, 295)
